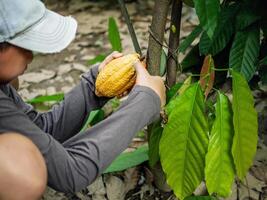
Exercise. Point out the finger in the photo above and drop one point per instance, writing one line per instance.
(140, 69)
(117, 55)
(114, 54)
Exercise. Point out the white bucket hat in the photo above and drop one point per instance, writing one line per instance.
(28, 24)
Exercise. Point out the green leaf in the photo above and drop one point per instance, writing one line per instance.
(115, 103)
(246, 16)
(208, 14)
(41, 99)
(97, 59)
(200, 198)
(245, 51)
(172, 91)
(263, 61)
(163, 63)
(98, 117)
(154, 139)
(129, 159)
(190, 38)
(94, 117)
(219, 170)
(184, 143)
(222, 34)
(245, 125)
(173, 102)
(186, 84)
(114, 35)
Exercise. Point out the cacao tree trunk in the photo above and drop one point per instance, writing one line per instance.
(172, 63)
(156, 37)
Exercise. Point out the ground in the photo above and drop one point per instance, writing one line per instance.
(54, 73)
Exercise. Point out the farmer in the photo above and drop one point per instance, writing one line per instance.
(37, 149)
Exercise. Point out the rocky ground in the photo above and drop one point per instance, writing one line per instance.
(54, 73)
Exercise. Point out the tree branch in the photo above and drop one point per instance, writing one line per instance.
(158, 24)
(175, 26)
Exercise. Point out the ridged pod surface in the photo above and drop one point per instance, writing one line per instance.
(117, 76)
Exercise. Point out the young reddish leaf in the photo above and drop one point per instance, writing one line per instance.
(207, 75)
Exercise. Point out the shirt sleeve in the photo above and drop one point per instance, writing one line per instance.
(75, 163)
(66, 118)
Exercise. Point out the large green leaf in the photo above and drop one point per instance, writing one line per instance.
(173, 102)
(246, 16)
(47, 98)
(263, 61)
(190, 38)
(219, 170)
(245, 51)
(172, 92)
(129, 159)
(97, 59)
(222, 34)
(94, 117)
(114, 35)
(245, 125)
(154, 139)
(184, 143)
(208, 13)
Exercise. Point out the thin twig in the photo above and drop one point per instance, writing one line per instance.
(156, 39)
(172, 60)
(164, 45)
(130, 27)
(219, 70)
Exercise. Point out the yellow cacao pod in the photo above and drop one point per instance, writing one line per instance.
(117, 76)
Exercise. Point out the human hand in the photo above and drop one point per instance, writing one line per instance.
(110, 57)
(154, 82)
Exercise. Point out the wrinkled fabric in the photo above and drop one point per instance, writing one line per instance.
(74, 159)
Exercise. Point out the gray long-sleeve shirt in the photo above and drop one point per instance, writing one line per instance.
(75, 159)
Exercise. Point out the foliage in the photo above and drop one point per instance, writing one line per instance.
(94, 117)
(245, 125)
(154, 139)
(46, 98)
(208, 13)
(232, 36)
(191, 152)
(184, 143)
(219, 170)
(130, 159)
(230, 33)
(114, 35)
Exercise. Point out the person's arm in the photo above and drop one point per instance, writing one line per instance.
(66, 118)
(77, 162)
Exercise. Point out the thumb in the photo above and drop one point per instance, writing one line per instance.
(140, 68)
